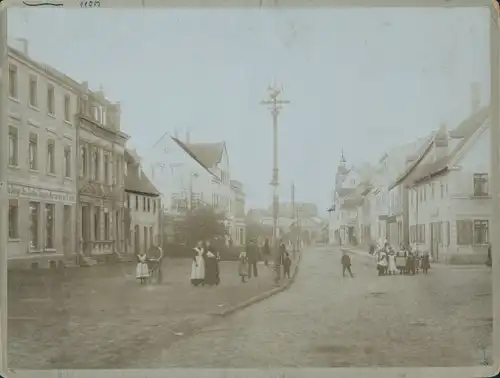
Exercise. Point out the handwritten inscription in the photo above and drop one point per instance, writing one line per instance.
(90, 4)
(39, 193)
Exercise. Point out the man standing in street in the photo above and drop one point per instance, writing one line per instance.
(253, 256)
(155, 255)
(346, 264)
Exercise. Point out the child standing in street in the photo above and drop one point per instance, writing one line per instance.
(142, 270)
(243, 266)
(346, 264)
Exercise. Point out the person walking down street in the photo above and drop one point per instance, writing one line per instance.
(425, 262)
(212, 276)
(142, 270)
(266, 252)
(198, 265)
(346, 264)
(243, 266)
(253, 256)
(382, 262)
(286, 261)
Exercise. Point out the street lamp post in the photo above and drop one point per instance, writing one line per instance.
(275, 105)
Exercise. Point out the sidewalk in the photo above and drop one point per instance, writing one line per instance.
(101, 317)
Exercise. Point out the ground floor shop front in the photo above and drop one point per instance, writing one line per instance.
(41, 226)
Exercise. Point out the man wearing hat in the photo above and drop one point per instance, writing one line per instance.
(253, 256)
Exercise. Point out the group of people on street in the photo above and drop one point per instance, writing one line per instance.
(406, 261)
(205, 266)
(251, 255)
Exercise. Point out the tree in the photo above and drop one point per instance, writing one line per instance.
(202, 224)
(255, 230)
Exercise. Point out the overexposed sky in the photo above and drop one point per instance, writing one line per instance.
(361, 79)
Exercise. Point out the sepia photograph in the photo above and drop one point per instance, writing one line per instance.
(249, 188)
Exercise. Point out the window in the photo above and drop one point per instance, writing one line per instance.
(145, 239)
(442, 191)
(34, 223)
(481, 231)
(106, 226)
(84, 161)
(67, 108)
(432, 190)
(464, 232)
(49, 225)
(13, 219)
(480, 184)
(420, 233)
(33, 91)
(144, 204)
(154, 206)
(13, 143)
(242, 235)
(50, 100)
(51, 158)
(33, 151)
(106, 169)
(448, 232)
(97, 226)
(103, 116)
(95, 113)
(67, 161)
(137, 203)
(128, 201)
(95, 158)
(149, 205)
(13, 81)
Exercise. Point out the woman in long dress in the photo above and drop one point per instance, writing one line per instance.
(392, 263)
(243, 266)
(198, 265)
(211, 265)
(382, 263)
(142, 270)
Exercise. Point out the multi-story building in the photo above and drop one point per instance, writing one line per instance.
(237, 207)
(142, 227)
(101, 163)
(41, 179)
(450, 197)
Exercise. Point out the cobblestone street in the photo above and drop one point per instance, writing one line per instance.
(101, 317)
(326, 320)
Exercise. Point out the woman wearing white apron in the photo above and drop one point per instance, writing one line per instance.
(198, 265)
(392, 263)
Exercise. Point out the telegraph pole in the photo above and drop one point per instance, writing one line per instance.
(4, 200)
(275, 105)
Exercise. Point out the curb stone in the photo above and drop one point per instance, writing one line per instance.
(265, 295)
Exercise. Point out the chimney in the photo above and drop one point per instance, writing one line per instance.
(25, 44)
(475, 95)
(441, 142)
(188, 136)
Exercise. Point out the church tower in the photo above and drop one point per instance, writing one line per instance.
(342, 172)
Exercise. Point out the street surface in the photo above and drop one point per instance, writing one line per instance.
(101, 317)
(326, 320)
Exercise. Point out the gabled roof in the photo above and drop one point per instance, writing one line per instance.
(466, 130)
(422, 151)
(203, 153)
(209, 154)
(136, 180)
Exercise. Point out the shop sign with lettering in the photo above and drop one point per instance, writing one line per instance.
(22, 191)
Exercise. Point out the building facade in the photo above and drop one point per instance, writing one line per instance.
(450, 200)
(101, 165)
(237, 206)
(42, 178)
(143, 206)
